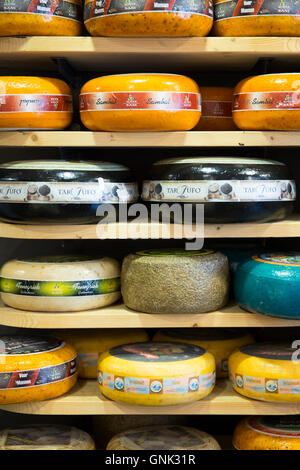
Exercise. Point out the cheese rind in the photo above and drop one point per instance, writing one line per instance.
(216, 112)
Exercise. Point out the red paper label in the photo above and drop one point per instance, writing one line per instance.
(140, 100)
(31, 103)
(271, 100)
(221, 109)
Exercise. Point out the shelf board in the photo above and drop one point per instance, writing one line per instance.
(151, 54)
(119, 316)
(149, 139)
(85, 399)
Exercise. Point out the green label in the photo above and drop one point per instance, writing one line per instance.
(57, 259)
(285, 259)
(59, 288)
(277, 351)
(175, 252)
(157, 352)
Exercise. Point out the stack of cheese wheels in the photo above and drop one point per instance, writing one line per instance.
(148, 19)
(258, 18)
(60, 283)
(268, 433)
(156, 374)
(269, 283)
(163, 438)
(268, 102)
(34, 103)
(40, 18)
(220, 342)
(140, 102)
(34, 368)
(266, 371)
(45, 437)
(216, 112)
(89, 344)
(175, 281)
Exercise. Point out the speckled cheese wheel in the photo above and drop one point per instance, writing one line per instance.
(268, 102)
(35, 368)
(216, 112)
(156, 374)
(163, 438)
(45, 437)
(121, 103)
(266, 371)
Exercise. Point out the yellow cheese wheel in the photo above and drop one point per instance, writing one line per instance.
(268, 102)
(216, 113)
(40, 18)
(220, 342)
(34, 368)
(144, 102)
(89, 344)
(156, 374)
(45, 437)
(60, 283)
(169, 437)
(266, 371)
(34, 103)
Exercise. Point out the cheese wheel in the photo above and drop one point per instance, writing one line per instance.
(268, 433)
(60, 283)
(156, 374)
(140, 102)
(35, 368)
(220, 342)
(89, 344)
(258, 18)
(45, 437)
(268, 102)
(266, 371)
(148, 19)
(216, 112)
(269, 283)
(34, 103)
(40, 18)
(163, 438)
(175, 281)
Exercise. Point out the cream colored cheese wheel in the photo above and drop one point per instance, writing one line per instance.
(60, 283)
(170, 437)
(45, 437)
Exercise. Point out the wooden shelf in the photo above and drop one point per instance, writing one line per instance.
(149, 139)
(119, 316)
(85, 399)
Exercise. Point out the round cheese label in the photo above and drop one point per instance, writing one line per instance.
(157, 352)
(277, 351)
(45, 435)
(58, 259)
(282, 426)
(285, 259)
(175, 252)
(23, 345)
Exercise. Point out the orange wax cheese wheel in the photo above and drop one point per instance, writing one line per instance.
(148, 19)
(89, 344)
(34, 103)
(257, 18)
(268, 102)
(35, 368)
(268, 433)
(216, 113)
(40, 18)
(140, 102)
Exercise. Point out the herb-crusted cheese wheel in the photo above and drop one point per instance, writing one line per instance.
(266, 371)
(45, 437)
(40, 18)
(175, 281)
(163, 438)
(89, 344)
(156, 374)
(220, 342)
(34, 103)
(216, 112)
(60, 284)
(268, 433)
(35, 368)
(268, 102)
(140, 102)
(257, 18)
(148, 18)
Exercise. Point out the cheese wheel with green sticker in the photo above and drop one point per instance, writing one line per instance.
(60, 283)
(266, 371)
(156, 374)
